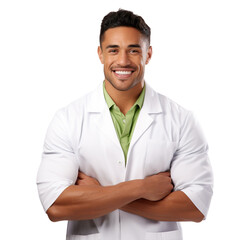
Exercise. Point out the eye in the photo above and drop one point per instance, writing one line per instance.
(113, 51)
(134, 51)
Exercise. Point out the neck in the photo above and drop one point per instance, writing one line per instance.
(124, 99)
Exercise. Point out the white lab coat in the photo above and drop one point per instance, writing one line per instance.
(82, 137)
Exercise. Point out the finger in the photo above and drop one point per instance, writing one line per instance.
(165, 173)
(78, 182)
(81, 175)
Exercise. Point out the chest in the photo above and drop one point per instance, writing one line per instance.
(99, 153)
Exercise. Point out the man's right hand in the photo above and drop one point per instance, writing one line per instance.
(157, 187)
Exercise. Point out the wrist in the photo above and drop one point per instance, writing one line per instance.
(133, 189)
(137, 188)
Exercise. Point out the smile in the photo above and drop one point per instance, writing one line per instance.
(123, 73)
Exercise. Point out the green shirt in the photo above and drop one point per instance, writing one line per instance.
(124, 124)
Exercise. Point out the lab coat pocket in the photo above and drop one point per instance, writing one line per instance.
(173, 235)
(84, 237)
(158, 156)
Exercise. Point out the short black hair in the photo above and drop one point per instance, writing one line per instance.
(124, 18)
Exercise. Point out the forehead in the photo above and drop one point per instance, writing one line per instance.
(123, 36)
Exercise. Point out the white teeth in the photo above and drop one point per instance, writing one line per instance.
(123, 72)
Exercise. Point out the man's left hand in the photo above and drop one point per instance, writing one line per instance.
(84, 179)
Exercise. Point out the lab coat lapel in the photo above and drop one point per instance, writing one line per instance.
(143, 123)
(150, 106)
(97, 106)
(106, 126)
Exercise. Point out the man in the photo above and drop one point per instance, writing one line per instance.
(125, 162)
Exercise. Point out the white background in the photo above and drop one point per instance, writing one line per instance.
(48, 58)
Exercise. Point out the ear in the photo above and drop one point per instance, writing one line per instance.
(100, 54)
(149, 54)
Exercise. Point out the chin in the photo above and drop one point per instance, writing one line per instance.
(121, 86)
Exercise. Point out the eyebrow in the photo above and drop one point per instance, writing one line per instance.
(129, 46)
(134, 46)
(112, 46)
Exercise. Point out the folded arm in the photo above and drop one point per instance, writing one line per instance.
(88, 200)
(175, 207)
(169, 206)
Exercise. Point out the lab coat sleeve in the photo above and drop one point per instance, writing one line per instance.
(191, 171)
(58, 169)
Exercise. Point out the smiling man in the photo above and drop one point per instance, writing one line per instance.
(124, 51)
(124, 61)
(124, 162)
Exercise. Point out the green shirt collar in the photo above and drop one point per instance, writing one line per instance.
(111, 103)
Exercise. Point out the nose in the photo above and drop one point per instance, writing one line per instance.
(123, 59)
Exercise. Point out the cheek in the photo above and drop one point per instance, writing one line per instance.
(108, 62)
(140, 61)
(141, 65)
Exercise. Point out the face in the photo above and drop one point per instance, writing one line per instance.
(124, 52)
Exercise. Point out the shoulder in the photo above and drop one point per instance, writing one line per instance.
(179, 120)
(166, 105)
(78, 107)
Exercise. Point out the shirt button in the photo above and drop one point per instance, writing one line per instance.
(120, 162)
(124, 120)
